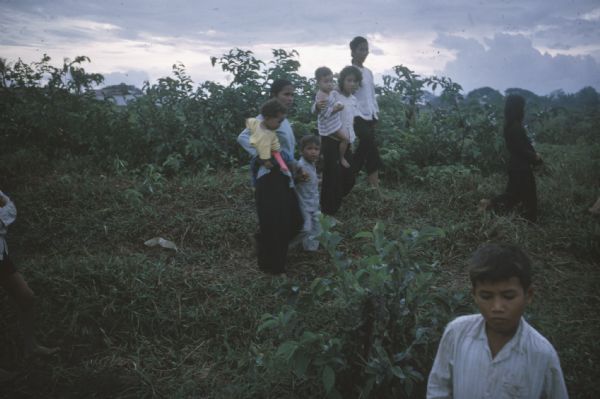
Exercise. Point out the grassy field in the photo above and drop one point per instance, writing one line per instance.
(136, 321)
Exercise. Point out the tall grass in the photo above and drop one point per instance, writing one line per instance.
(135, 321)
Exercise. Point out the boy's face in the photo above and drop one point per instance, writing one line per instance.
(273, 122)
(502, 303)
(326, 83)
(310, 152)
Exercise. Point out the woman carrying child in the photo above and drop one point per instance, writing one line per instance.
(337, 179)
(279, 215)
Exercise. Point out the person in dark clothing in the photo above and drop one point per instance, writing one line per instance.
(521, 187)
(279, 216)
(338, 181)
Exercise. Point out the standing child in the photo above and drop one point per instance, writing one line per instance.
(496, 354)
(521, 181)
(16, 286)
(337, 180)
(308, 192)
(329, 121)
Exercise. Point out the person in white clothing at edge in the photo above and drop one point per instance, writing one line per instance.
(17, 289)
(496, 354)
(367, 153)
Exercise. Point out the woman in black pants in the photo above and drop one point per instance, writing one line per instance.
(279, 216)
(521, 187)
(367, 153)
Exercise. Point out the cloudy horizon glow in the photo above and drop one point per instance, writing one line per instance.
(536, 45)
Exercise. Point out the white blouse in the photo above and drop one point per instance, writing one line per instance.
(347, 114)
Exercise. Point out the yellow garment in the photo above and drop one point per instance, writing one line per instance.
(264, 140)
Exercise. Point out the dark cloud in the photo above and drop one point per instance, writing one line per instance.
(558, 25)
(512, 61)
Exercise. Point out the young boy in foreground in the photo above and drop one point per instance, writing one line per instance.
(496, 354)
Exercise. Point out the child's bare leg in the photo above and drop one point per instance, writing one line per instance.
(343, 148)
(17, 288)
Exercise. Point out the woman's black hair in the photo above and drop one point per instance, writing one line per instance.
(349, 70)
(278, 85)
(514, 110)
(354, 43)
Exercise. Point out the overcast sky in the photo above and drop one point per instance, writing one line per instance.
(540, 45)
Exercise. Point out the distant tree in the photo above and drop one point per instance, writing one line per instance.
(587, 99)
(485, 95)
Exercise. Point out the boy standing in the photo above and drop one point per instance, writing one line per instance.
(496, 354)
(308, 192)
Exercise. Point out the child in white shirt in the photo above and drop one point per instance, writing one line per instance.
(496, 354)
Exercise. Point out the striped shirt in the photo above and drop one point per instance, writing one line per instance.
(526, 367)
(328, 122)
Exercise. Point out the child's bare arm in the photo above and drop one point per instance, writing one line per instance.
(337, 108)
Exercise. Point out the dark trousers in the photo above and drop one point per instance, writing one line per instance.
(519, 190)
(279, 220)
(366, 153)
(337, 180)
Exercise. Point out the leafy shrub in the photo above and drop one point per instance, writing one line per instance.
(365, 329)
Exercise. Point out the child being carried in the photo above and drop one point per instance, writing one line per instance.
(263, 136)
(329, 120)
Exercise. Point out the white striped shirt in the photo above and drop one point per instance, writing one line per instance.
(328, 122)
(526, 367)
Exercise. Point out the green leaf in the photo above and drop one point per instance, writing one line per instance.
(267, 325)
(300, 363)
(328, 378)
(397, 371)
(287, 349)
(364, 234)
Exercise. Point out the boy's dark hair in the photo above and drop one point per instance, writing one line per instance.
(272, 108)
(309, 139)
(278, 85)
(321, 72)
(354, 43)
(497, 262)
(514, 110)
(347, 71)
